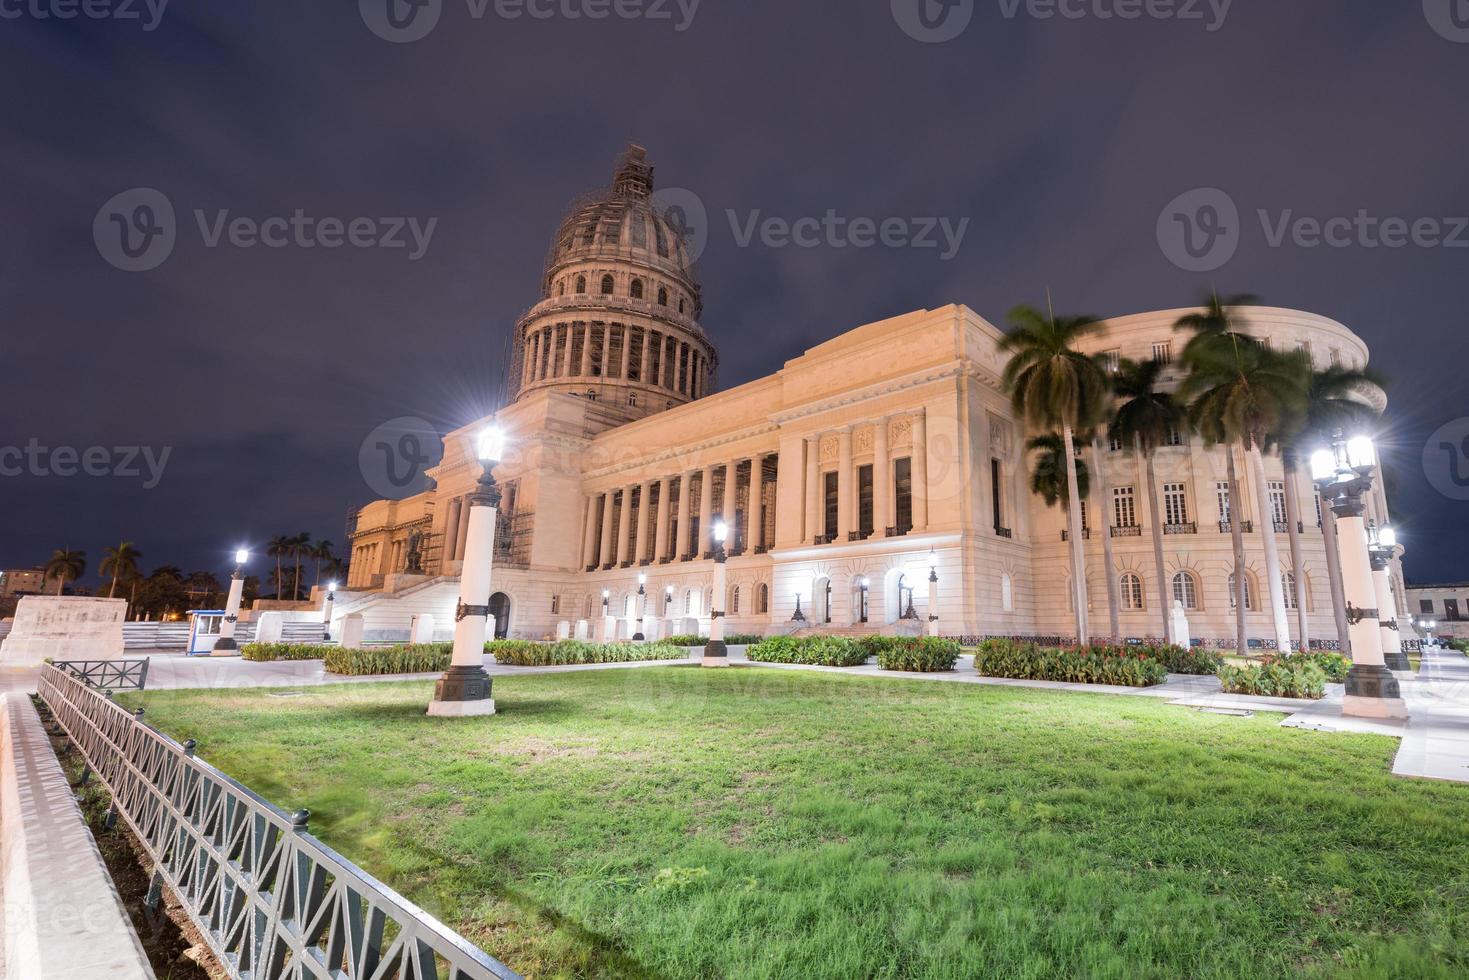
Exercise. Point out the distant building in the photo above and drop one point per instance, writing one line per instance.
(1447, 603)
(22, 581)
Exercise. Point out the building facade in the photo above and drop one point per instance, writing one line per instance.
(1447, 605)
(847, 477)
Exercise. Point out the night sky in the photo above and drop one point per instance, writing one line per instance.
(1060, 140)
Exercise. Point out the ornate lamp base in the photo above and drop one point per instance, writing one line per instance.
(716, 654)
(463, 692)
(1372, 692)
(225, 647)
(1397, 660)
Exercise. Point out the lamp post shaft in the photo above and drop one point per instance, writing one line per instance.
(1387, 617)
(464, 690)
(226, 646)
(1372, 691)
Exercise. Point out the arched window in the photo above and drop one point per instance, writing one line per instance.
(1249, 593)
(1132, 591)
(1186, 590)
(1007, 592)
(709, 599)
(1288, 586)
(637, 289)
(762, 598)
(662, 296)
(607, 285)
(734, 600)
(561, 288)
(680, 305)
(581, 284)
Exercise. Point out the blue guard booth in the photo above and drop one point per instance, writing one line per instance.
(204, 630)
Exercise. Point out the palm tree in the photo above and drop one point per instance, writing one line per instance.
(202, 585)
(1338, 398)
(1240, 391)
(66, 566)
(278, 548)
(1143, 417)
(1050, 480)
(300, 548)
(321, 552)
(120, 562)
(1054, 386)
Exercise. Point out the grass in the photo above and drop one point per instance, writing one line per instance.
(678, 822)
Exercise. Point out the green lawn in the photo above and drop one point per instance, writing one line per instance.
(678, 822)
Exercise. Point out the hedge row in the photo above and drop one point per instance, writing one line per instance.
(525, 653)
(1275, 680)
(407, 658)
(1083, 665)
(1333, 665)
(823, 651)
(1175, 659)
(919, 654)
(269, 652)
(733, 640)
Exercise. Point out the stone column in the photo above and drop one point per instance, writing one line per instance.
(660, 538)
(604, 554)
(920, 472)
(566, 357)
(626, 350)
(1387, 615)
(845, 524)
(685, 505)
(754, 519)
(623, 523)
(706, 513)
(647, 361)
(882, 481)
(1372, 691)
(585, 367)
(451, 529)
(731, 484)
(589, 535)
(813, 489)
(646, 520)
(528, 356)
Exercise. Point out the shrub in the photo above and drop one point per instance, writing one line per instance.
(823, 651)
(1462, 645)
(1177, 659)
(687, 640)
(407, 658)
(524, 653)
(269, 652)
(1275, 680)
(1333, 665)
(920, 654)
(1084, 665)
(743, 639)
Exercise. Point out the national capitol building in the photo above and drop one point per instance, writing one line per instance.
(842, 476)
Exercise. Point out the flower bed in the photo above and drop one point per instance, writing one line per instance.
(407, 658)
(1333, 665)
(1177, 659)
(524, 653)
(270, 652)
(918, 654)
(1082, 665)
(821, 651)
(733, 640)
(1275, 680)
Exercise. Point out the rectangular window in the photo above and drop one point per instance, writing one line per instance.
(1425, 606)
(1174, 436)
(1114, 444)
(1085, 526)
(1451, 609)
(1221, 489)
(1112, 360)
(864, 500)
(1163, 352)
(1319, 518)
(1277, 501)
(903, 492)
(1175, 504)
(832, 497)
(1124, 507)
(997, 499)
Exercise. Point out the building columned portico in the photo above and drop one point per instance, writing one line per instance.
(836, 476)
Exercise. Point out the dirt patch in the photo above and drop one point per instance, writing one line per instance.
(174, 948)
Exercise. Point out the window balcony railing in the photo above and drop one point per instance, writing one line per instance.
(1283, 527)
(1183, 527)
(898, 531)
(1126, 531)
(859, 535)
(763, 549)
(1086, 534)
(1248, 527)
(823, 539)
(1003, 532)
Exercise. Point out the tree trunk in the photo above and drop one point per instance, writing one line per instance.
(277, 576)
(1278, 618)
(1333, 575)
(1237, 538)
(1155, 516)
(1109, 566)
(1297, 563)
(1073, 517)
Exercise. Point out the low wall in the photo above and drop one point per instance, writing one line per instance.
(63, 917)
(64, 628)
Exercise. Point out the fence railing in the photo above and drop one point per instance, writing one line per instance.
(272, 901)
(109, 675)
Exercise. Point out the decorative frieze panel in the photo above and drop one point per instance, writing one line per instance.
(900, 432)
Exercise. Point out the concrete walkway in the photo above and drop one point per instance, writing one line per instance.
(1436, 743)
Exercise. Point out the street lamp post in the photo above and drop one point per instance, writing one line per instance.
(226, 646)
(464, 690)
(638, 637)
(933, 593)
(798, 617)
(715, 652)
(1380, 544)
(1344, 474)
(866, 584)
(326, 616)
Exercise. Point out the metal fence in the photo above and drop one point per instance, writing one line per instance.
(272, 901)
(109, 675)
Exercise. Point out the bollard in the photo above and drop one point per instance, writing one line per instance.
(155, 892)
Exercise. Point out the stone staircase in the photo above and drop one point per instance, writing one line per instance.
(386, 616)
